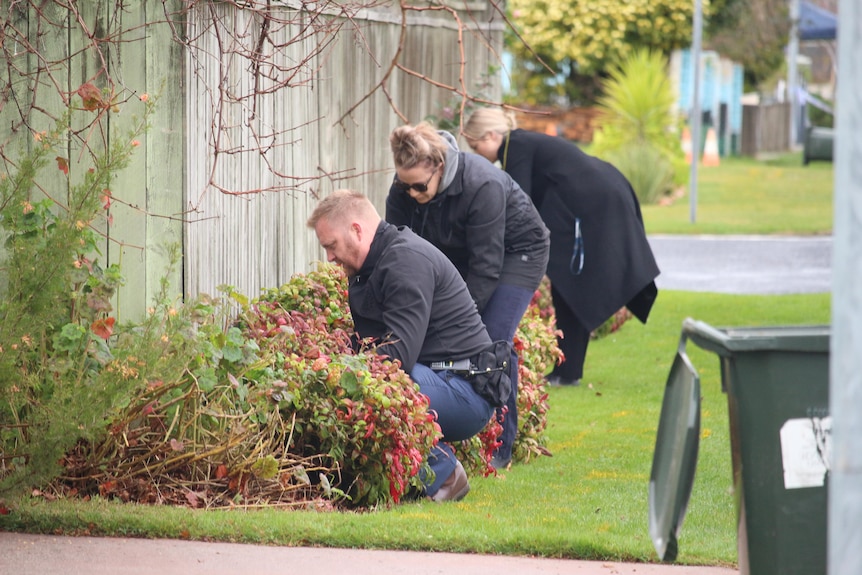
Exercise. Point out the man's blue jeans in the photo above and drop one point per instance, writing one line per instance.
(461, 414)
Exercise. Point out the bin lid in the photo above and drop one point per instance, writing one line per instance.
(675, 456)
(726, 341)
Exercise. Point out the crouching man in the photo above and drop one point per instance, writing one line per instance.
(407, 296)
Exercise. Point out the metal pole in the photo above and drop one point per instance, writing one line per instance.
(844, 530)
(792, 71)
(697, 30)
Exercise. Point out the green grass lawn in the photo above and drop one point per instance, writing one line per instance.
(745, 196)
(589, 500)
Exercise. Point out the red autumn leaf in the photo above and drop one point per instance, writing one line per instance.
(91, 96)
(221, 471)
(103, 327)
(106, 198)
(63, 165)
(107, 487)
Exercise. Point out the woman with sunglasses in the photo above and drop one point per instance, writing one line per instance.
(600, 257)
(485, 224)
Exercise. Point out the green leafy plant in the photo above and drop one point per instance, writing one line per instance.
(536, 341)
(55, 309)
(270, 408)
(544, 305)
(276, 408)
(362, 412)
(612, 324)
(637, 124)
(538, 352)
(820, 117)
(649, 171)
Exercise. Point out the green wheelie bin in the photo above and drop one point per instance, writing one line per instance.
(777, 384)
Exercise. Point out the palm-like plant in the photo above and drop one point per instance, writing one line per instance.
(637, 111)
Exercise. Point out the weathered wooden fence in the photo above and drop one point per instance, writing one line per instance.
(234, 180)
(49, 52)
(765, 128)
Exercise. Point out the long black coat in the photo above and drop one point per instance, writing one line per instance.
(566, 184)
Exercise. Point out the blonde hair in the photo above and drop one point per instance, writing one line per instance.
(341, 205)
(415, 145)
(486, 120)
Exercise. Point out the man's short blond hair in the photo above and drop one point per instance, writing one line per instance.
(342, 205)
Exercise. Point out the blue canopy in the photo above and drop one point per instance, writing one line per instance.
(815, 23)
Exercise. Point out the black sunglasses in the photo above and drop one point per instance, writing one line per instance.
(405, 187)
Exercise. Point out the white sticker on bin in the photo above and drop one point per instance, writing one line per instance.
(805, 451)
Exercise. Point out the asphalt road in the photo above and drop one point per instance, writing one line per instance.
(744, 264)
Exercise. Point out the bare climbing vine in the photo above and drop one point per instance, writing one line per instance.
(278, 44)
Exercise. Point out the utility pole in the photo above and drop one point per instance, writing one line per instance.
(844, 532)
(792, 72)
(697, 32)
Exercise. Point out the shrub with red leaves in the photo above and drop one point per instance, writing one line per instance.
(279, 409)
(362, 412)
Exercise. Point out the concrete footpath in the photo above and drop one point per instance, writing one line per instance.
(24, 554)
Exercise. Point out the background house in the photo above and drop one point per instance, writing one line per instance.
(720, 95)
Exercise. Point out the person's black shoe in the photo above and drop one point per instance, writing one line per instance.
(500, 463)
(557, 381)
(456, 486)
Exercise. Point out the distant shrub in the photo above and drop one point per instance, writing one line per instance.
(820, 118)
(638, 124)
(646, 168)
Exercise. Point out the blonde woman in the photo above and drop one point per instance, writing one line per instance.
(600, 258)
(485, 224)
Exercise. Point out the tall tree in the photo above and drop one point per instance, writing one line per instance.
(753, 33)
(580, 40)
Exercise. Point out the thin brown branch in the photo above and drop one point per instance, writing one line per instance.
(258, 47)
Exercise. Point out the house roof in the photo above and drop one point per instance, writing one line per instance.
(816, 23)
